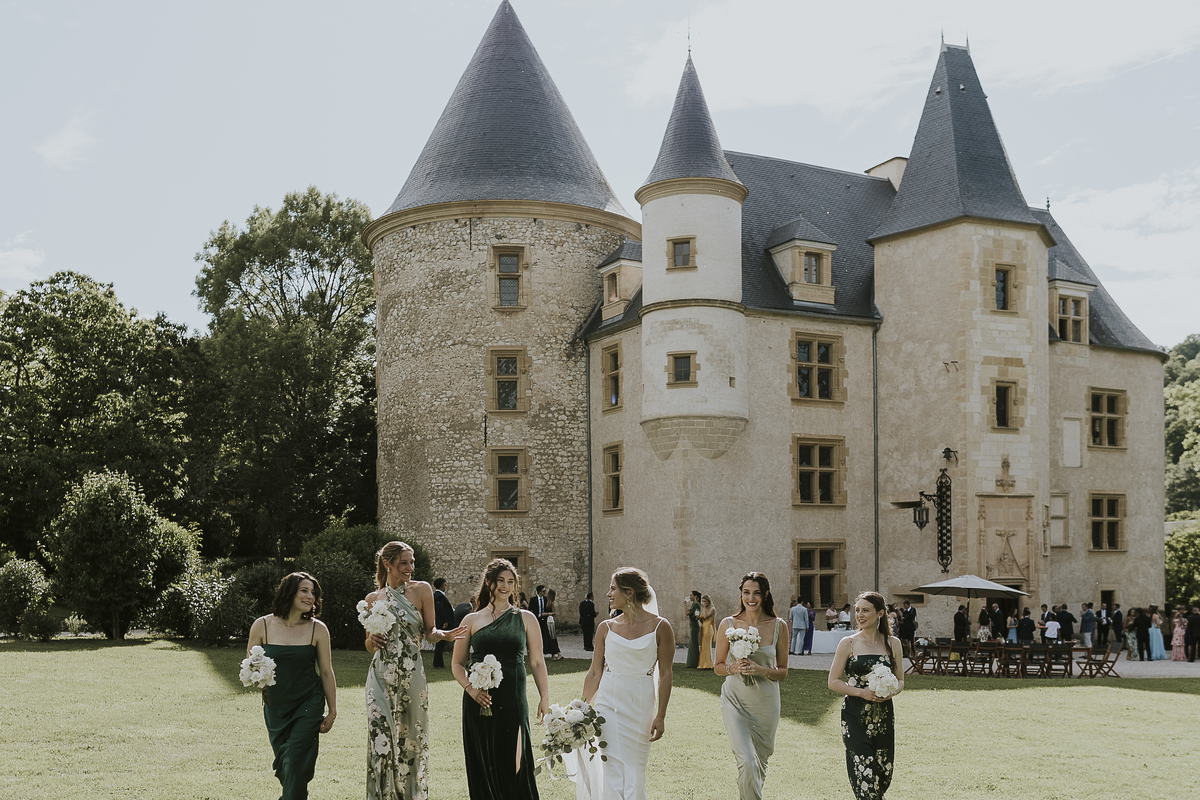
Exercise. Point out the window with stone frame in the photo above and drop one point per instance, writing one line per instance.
(507, 370)
(509, 265)
(818, 471)
(1004, 288)
(519, 558)
(681, 253)
(813, 268)
(1072, 318)
(1005, 406)
(610, 365)
(1106, 418)
(1107, 520)
(614, 461)
(611, 290)
(1060, 520)
(821, 573)
(817, 370)
(508, 480)
(682, 369)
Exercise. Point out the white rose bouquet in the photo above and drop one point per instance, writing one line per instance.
(882, 681)
(575, 726)
(258, 669)
(743, 643)
(486, 675)
(377, 618)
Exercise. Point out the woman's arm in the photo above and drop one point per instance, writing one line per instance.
(666, 657)
(424, 598)
(328, 681)
(777, 672)
(537, 662)
(374, 640)
(591, 681)
(720, 658)
(258, 633)
(897, 662)
(838, 668)
(458, 664)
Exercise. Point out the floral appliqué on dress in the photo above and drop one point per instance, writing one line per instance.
(868, 731)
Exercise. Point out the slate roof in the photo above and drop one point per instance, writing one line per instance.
(958, 166)
(506, 134)
(690, 147)
(799, 228)
(1107, 324)
(628, 251)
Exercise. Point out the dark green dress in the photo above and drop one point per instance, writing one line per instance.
(869, 733)
(294, 708)
(693, 648)
(490, 743)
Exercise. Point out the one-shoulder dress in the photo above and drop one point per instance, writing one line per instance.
(398, 709)
(869, 733)
(492, 745)
(751, 715)
(293, 709)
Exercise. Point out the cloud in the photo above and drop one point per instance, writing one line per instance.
(1048, 160)
(20, 265)
(65, 149)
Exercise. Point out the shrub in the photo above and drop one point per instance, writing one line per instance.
(37, 623)
(171, 615)
(343, 584)
(220, 611)
(23, 587)
(361, 543)
(259, 582)
(75, 624)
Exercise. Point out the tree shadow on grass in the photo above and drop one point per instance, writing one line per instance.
(919, 683)
(69, 645)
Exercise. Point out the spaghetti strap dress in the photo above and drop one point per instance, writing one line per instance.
(751, 715)
(492, 744)
(293, 709)
(869, 733)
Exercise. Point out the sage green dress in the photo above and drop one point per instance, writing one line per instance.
(491, 743)
(869, 733)
(751, 715)
(293, 709)
(398, 709)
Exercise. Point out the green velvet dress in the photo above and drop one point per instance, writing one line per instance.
(293, 710)
(491, 743)
(869, 733)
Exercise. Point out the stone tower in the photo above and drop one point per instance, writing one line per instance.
(485, 269)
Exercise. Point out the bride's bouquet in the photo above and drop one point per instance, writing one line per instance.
(575, 726)
(743, 643)
(882, 681)
(377, 618)
(486, 675)
(258, 669)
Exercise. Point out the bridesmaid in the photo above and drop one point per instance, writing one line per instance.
(499, 755)
(397, 698)
(751, 712)
(708, 629)
(868, 721)
(304, 681)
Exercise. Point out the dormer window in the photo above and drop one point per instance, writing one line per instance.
(1070, 319)
(620, 281)
(803, 254)
(812, 267)
(1069, 310)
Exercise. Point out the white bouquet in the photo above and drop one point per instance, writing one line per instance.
(486, 675)
(377, 618)
(258, 669)
(882, 681)
(923, 642)
(743, 643)
(572, 727)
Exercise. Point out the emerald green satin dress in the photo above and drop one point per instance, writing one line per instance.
(293, 709)
(490, 743)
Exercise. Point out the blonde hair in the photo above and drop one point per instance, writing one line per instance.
(385, 556)
(634, 580)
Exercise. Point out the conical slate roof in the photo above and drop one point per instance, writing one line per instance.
(958, 166)
(690, 148)
(506, 134)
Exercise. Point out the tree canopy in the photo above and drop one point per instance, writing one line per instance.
(1182, 398)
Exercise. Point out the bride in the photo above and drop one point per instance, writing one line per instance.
(620, 685)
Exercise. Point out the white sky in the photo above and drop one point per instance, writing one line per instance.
(129, 131)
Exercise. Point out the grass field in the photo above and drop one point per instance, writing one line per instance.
(165, 719)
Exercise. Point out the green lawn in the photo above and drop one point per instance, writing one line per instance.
(168, 719)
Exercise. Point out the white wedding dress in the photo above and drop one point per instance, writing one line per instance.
(626, 700)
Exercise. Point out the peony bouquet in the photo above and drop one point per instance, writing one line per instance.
(486, 675)
(743, 643)
(575, 726)
(258, 669)
(882, 681)
(377, 618)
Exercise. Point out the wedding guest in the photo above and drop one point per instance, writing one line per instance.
(550, 643)
(708, 630)
(893, 620)
(1179, 625)
(985, 624)
(868, 720)
(692, 605)
(844, 617)
(812, 626)
(750, 693)
(1011, 624)
(460, 612)
(1158, 649)
(798, 617)
(962, 625)
(1131, 635)
(908, 626)
(587, 620)
(1053, 631)
(397, 704)
(999, 622)
(1192, 634)
(443, 616)
(831, 616)
(1066, 621)
(524, 602)
(1042, 622)
(1087, 624)
(1026, 628)
(294, 708)
(1103, 625)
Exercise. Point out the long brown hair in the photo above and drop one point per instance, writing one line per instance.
(286, 594)
(491, 574)
(764, 585)
(385, 556)
(880, 604)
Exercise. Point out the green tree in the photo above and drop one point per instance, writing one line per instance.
(1183, 565)
(112, 554)
(292, 302)
(1181, 397)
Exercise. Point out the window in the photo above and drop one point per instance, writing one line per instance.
(510, 287)
(519, 558)
(1004, 406)
(611, 295)
(819, 467)
(1107, 422)
(1070, 319)
(614, 458)
(610, 363)
(1004, 289)
(807, 268)
(1108, 521)
(508, 473)
(812, 268)
(508, 385)
(821, 573)
(817, 368)
(682, 369)
(681, 253)
(1060, 531)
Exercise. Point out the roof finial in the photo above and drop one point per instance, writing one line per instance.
(943, 36)
(1047, 202)
(689, 34)
(968, 44)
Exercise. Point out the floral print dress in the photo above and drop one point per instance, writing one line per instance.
(869, 733)
(398, 709)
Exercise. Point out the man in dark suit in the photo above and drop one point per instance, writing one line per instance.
(587, 621)
(962, 625)
(1042, 622)
(443, 615)
(1103, 623)
(1192, 634)
(1067, 620)
(1118, 623)
(1141, 630)
(1026, 628)
(908, 626)
(999, 622)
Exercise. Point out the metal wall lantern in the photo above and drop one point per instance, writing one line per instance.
(940, 501)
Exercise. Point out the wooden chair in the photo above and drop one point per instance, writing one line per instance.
(1012, 661)
(980, 660)
(1058, 661)
(958, 666)
(1104, 663)
(921, 660)
(1035, 659)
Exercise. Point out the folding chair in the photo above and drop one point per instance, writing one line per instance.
(1035, 660)
(1107, 666)
(1012, 661)
(958, 666)
(1058, 661)
(918, 660)
(980, 661)
(1091, 662)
